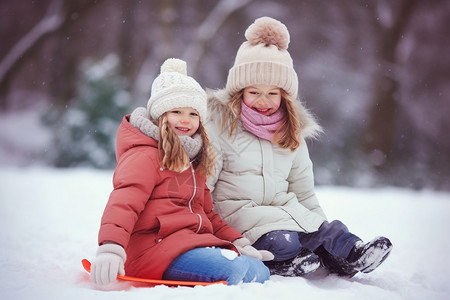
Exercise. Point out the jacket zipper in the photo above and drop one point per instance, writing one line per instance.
(192, 198)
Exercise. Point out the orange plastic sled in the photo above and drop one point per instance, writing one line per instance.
(87, 266)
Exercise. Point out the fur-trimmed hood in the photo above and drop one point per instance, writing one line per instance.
(217, 100)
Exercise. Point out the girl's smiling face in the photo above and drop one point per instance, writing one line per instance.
(263, 98)
(183, 120)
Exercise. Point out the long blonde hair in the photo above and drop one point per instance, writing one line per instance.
(172, 155)
(286, 136)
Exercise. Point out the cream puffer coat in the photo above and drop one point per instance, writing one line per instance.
(259, 187)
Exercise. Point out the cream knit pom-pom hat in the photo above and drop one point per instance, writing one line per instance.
(264, 59)
(174, 89)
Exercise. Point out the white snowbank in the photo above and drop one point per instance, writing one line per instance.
(49, 221)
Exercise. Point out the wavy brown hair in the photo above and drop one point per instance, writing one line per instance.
(172, 155)
(286, 136)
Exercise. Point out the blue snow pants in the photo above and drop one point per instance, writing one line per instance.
(334, 237)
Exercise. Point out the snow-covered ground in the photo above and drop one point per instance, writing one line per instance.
(49, 221)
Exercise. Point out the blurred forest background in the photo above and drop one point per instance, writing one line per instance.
(376, 74)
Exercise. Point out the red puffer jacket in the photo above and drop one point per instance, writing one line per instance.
(157, 214)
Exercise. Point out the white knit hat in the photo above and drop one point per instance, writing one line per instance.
(174, 89)
(264, 59)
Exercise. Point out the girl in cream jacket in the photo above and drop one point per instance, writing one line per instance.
(264, 184)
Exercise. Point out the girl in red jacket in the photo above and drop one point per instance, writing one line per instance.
(159, 221)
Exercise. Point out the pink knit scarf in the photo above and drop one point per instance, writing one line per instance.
(260, 125)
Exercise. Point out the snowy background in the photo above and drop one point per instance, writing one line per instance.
(70, 70)
(49, 220)
(374, 73)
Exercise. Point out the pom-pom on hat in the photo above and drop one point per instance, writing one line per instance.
(173, 89)
(264, 59)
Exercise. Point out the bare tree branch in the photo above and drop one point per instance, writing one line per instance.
(52, 20)
(209, 28)
(196, 48)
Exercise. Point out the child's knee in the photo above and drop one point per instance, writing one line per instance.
(256, 272)
(334, 226)
(247, 269)
(237, 271)
(283, 244)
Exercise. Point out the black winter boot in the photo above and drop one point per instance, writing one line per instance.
(334, 264)
(362, 258)
(305, 262)
(366, 258)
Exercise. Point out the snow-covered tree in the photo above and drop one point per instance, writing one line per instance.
(85, 131)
